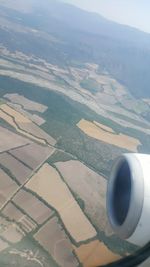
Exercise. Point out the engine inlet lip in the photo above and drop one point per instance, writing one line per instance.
(125, 229)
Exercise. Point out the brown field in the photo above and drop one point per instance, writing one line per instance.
(48, 184)
(120, 140)
(91, 187)
(9, 140)
(94, 254)
(16, 215)
(10, 121)
(54, 240)
(3, 245)
(12, 212)
(32, 206)
(33, 154)
(36, 131)
(104, 127)
(26, 103)
(24, 126)
(19, 170)
(33, 117)
(7, 187)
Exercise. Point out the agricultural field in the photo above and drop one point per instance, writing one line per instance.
(100, 255)
(14, 214)
(121, 140)
(33, 154)
(32, 206)
(26, 103)
(60, 198)
(9, 140)
(23, 125)
(7, 187)
(33, 117)
(57, 243)
(103, 127)
(90, 187)
(15, 167)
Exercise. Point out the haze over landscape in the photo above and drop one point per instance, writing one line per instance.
(134, 13)
(74, 95)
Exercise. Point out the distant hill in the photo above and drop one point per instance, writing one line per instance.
(66, 35)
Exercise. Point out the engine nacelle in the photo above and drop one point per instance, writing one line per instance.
(128, 198)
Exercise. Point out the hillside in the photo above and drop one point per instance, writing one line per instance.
(65, 35)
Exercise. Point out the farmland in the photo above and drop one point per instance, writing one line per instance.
(23, 125)
(16, 168)
(101, 254)
(61, 129)
(9, 140)
(32, 206)
(8, 187)
(14, 214)
(121, 140)
(77, 162)
(91, 188)
(57, 243)
(26, 103)
(72, 216)
(33, 154)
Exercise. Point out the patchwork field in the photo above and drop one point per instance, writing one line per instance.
(26, 103)
(90, 186)
(16, 168)
(23, 125)
(48, 184)
(16, 215)
(56, 243)
(7, 187)
(33, 154)
(120, 140)
(32, 206)
(33, 117)
(95, 253)
(9, 140)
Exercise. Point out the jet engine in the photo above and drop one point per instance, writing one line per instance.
(128, 198)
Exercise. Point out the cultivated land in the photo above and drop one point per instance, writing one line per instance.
(90, 187)
(57, 217)
(16, 168)
(7, 187)
(23, 125)
(9, 140)
(104, 127)
(57, 243)
(100, 255)
(14, 214)
(120, 140)
(59, 197)
(33, 117)
(33, 154)
(26, 103)
(31, 205)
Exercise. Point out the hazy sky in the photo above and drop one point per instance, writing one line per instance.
(131, 12)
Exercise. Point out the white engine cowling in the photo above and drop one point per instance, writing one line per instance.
(128, 198)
